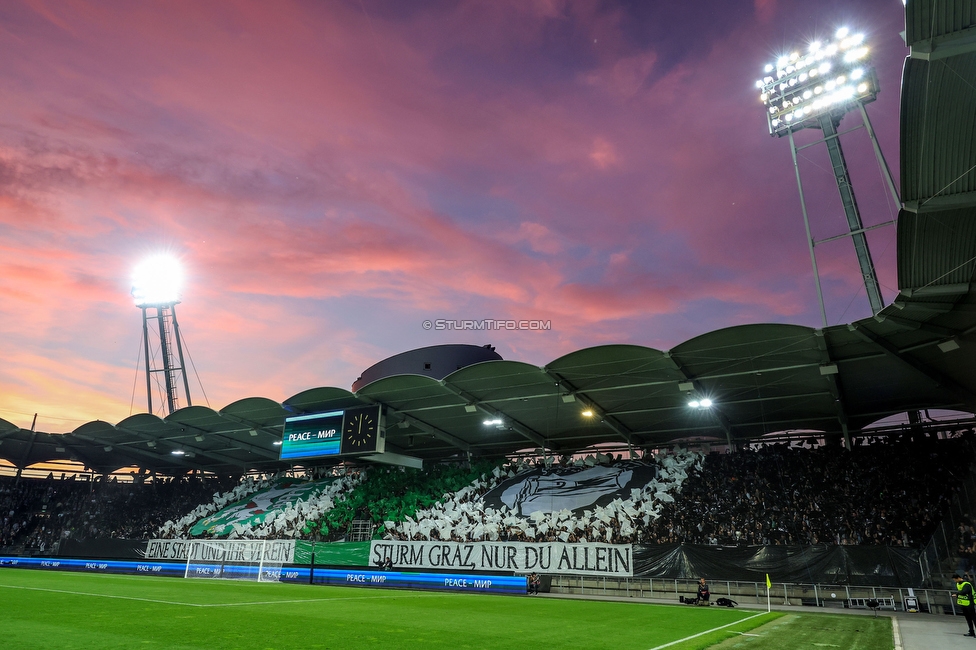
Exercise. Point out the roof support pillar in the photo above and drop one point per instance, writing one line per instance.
(516, 426)
(834, 385)
(611, 422)
(212, 455)
(721, 418)
(932, 374)
(430, 429)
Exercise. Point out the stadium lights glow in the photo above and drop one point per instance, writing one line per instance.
(588, 413)
(177, 452)
(798, 89)
(276, 443)
(703, 403)
(157, 281)
(493, 423)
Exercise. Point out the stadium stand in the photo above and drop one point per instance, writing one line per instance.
(881, 494)
(887, 493)
(39, 513)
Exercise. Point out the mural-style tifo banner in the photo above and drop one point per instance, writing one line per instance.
(259, 507)
(569, 488)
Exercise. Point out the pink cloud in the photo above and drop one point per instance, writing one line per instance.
(330, 174)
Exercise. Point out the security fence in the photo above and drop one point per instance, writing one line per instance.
(934, 601)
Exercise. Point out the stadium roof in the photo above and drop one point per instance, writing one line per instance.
(918, 353)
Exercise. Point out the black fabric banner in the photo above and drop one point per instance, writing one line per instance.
(112, 549)
(870, 566)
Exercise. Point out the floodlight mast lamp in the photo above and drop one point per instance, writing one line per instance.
(155, 286)
(816, 90)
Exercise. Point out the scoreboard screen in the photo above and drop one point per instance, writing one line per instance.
(336, 433)
(311, 436)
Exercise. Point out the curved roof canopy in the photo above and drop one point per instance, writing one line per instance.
(917, 354)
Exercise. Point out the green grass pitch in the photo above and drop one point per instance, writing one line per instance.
(40, 609)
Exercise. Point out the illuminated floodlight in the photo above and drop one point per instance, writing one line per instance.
(802, 92)
(694, 404)
(706, 403)
(177, 452)
(157, 280)
(588, 413)
(493, 423)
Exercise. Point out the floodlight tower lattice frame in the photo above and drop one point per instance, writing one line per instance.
(807, 93)
(155, 289)
(165, 313)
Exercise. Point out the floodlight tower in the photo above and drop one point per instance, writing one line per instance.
(815, 90)
(156, 286)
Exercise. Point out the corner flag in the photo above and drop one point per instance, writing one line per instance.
(768, 586)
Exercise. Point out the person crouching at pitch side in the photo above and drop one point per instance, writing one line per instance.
(534, 583)
(964, 598)
(703, 593)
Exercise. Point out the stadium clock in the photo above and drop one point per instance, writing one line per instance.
(360, 431)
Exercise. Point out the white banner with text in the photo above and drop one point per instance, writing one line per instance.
(520, 557)
(273, 550)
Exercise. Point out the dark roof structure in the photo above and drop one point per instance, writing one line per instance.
(917, 353)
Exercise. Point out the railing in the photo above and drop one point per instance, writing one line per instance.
(360, 530)
(934, 601)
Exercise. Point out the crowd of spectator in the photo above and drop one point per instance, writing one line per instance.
(966, 552)
(886, 493)
(880, 494)
(39, 514)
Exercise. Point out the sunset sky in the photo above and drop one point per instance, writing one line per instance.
(331, 173)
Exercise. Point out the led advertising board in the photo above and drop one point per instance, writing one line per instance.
(499, 584)
(312, 436)
(348, 432)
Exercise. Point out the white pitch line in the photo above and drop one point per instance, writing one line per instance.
(714, 629)
(84, 593)
(316, 600)
(185, 604)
